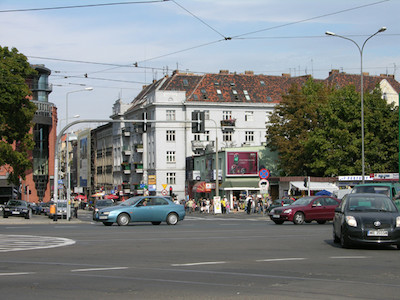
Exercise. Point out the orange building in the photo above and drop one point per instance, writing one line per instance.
(37, 186)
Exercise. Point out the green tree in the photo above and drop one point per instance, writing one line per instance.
(16, 113)
(290, 123)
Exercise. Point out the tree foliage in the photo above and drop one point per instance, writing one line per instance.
(317, 131)
(16, 113)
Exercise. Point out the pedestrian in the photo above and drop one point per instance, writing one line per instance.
(76, 206)
(249, 204)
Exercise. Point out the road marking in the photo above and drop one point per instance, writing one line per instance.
(200, 263)
(15, 274)
(99, 269)
(347, 257)
(281, 259)
(30, 242)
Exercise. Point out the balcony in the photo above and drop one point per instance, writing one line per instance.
(126, 132)
(126, 150)
(138, 167)
(202, 145)
(228, 123)
(139, 148)
(126, 168)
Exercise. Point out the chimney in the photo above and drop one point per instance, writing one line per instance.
(366, 73)
(249, 72)
(333, 71)
(286, 75)
(224, 72)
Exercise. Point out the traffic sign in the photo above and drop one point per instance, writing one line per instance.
(164, 192)
(264, 185)
(264, 173)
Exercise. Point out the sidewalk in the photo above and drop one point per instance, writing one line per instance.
(36, 219)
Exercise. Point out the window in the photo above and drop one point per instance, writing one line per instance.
(227, 115)
(248, 116)
(171, 178)
(195, 97)
(249, 137)
(185, 82)
(227, 136)
(269, 99)
(262, 82)
(196, 137)
(234, 92)
(219, 93)
(171, 115)
(170, 156)
(207, 135)
(170, 136)
(206, 115)
(246, 95)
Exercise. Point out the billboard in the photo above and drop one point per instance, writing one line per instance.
(241, 163)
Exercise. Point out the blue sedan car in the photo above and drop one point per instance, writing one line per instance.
(154, 209)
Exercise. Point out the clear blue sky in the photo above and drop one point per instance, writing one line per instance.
(268, 36)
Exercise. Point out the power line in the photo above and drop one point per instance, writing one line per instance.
(209, 26)
(309, 19)
(81, 6)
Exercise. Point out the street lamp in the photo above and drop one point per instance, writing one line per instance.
(360, 49)
(67, 156)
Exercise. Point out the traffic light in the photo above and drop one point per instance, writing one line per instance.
(171, 193)
(198, 119)
(305, 182)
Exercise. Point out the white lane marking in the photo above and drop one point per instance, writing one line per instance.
(348, 257)
(281, 259)
(15, 274)
(199, 263)
(99, 269)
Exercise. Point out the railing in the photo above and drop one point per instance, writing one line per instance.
(43, 108)
(228, 122)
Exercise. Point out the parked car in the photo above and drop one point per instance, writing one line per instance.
(366, 219)
(61, 210)
(100, 204)
(154, 209)
(18, 208)
(280, 202)
(306, 209)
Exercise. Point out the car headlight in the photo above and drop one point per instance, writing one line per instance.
(287, 211)
(398, 222)
(351, 221)
(6, 208)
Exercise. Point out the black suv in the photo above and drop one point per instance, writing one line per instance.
(18, 208)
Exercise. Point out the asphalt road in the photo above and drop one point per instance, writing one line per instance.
(203, 257)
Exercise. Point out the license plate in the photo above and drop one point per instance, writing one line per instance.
(15, 212)
(103, 218)
(276, 216)
(377, 233)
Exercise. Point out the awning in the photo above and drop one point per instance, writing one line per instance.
(240, 184)
(315, 186)
(199, 187)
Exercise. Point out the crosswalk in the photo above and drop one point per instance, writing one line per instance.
(10, 243)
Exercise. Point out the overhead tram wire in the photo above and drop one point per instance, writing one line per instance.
(82, 6)
(309, 19)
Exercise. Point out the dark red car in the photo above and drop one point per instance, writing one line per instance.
(306, 209)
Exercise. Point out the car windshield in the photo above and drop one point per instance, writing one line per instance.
(367, 203)
(384, 190)
(130, 201)
(15, 203)
(303, 201)
(62, 204)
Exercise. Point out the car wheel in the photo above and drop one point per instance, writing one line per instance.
(107, 223)
(5, 216)
(298, 218)
(398, 246)
(344, 241)
(278, 222)
(123, 219)
(156, 223)
(321, 221)
(172, 219)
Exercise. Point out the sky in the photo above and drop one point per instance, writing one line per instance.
(99, 44)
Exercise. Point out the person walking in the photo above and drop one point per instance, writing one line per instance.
(249, 204)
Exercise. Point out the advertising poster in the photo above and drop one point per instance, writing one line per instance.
(242, 163)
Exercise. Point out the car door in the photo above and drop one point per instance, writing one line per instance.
(160, 209)
(142, 211)
(316, 209)
(330, 205)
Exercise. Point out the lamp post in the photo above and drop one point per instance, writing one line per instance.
(67, 156)
(361, 50)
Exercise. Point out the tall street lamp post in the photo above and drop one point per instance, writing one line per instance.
(360, 49)
(67, 151)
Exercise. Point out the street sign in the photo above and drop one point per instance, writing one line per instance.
(164, 186)
(263, 174)
(164, 192)
(264, 185)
